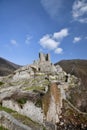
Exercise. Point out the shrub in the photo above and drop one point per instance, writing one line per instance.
(2, 128)
(22, 100)
(1, 83)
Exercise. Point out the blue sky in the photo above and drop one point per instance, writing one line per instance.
(58, 27)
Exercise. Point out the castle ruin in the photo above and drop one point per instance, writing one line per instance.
(44, 57)
(44, 64)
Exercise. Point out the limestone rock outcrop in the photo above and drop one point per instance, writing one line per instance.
(42, 92)
(12, 124)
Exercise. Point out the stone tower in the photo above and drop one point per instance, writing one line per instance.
(44, 57)
(43, 64)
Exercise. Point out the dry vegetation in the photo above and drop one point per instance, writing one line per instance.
(79, 93)
(75, 67)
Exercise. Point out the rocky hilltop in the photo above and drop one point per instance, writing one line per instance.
(42, 96)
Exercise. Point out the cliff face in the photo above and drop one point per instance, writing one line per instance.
(49, 99)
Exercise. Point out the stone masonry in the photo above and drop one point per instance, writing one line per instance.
(44, 63)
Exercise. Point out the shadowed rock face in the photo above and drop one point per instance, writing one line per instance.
(7, 67)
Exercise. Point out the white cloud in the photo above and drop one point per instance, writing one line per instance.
(51, 6)
(76, 39)
(60, 35)
(83, 20)
(49, 43)
(58, 51)
(28, 39)
(53, 41)
(79, 11)
(13, 42)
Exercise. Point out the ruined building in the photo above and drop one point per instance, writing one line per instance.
(44, 64)
(44, 57)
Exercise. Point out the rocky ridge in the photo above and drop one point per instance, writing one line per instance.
(42, 93)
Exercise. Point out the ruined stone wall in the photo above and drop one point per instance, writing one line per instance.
(46, 67)
(41, 57)
(44, 64)
(44, 57)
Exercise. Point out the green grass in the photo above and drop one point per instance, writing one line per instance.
(46, 82)
(6, 109)
(32, 88)
(2, 128)
(25, 120)
(22, 100)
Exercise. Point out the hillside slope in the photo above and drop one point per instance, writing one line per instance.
(44, 99)
(7, 67)
(78, 95)
(75, 67)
